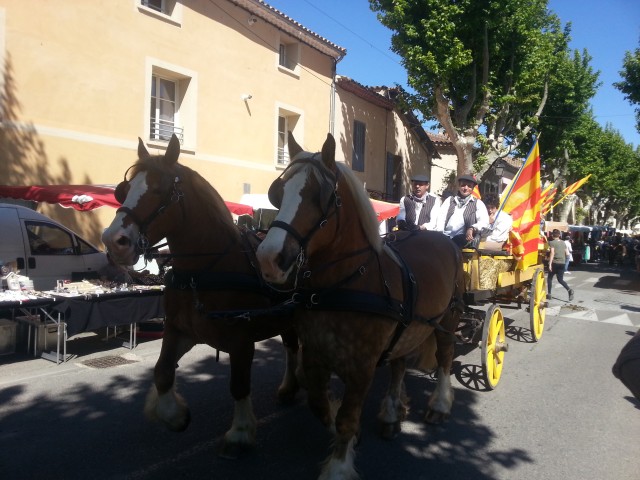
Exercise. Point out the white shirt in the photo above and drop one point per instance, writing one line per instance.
(501, 227)
(455, 226)
(431, 224)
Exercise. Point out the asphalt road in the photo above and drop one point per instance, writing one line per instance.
(557, 412)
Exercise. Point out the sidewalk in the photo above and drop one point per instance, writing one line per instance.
(20, 366)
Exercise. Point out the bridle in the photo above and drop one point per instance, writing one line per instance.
(171, 195)
(329, 207)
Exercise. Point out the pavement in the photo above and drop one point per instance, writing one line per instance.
(603, 293)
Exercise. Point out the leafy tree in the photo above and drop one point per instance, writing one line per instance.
(481, 68)
(630, 84)
(571, 88)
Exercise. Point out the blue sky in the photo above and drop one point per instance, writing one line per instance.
(605, 28)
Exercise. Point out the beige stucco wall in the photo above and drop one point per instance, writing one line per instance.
(386, 132)
(76, 78)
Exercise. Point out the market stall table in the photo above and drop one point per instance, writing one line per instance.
(92, 311)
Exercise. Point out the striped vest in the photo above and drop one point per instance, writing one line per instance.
(425, 213)
(469, 213)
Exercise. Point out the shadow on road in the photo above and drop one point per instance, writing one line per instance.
(95, 429)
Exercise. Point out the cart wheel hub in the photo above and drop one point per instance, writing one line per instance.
(501, 347)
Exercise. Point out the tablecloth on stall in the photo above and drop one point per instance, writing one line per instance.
(83, 314)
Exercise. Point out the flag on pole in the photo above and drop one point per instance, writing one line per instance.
(522, 202)
(547, 199)
(476, 192)
(573, 188)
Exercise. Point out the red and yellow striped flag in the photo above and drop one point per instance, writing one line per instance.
(573, 188)
(476, 192)
(522, 202)
(547, 199)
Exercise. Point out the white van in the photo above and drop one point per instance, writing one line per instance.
(44, 250)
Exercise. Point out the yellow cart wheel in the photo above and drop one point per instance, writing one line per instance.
(494, 346)
(537, 304)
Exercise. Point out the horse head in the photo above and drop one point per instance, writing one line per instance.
(309, 194)
(151, 198)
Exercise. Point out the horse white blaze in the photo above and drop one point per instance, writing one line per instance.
(273, 245)
(124, 252)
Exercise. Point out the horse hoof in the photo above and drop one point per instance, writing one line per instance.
(182, 425)
(231, 451)
(435, 418)
(286, 397)
(390, 430)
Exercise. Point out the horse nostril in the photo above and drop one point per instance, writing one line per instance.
(124, 241)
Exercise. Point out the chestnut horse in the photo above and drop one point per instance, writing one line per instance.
(213, 275)
(361, 301)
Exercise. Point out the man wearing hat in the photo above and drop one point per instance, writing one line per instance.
(463, 216)
(419, 210)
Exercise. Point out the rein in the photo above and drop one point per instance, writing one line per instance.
(339, 298)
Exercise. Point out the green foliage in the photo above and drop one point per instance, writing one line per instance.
(630, 84)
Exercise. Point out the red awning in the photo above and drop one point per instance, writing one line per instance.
(79, 197)
(83, 197)
(385, 210)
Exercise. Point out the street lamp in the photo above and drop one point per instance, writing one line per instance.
(498, 166)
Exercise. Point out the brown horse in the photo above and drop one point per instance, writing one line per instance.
(213, 275)
(361, 301)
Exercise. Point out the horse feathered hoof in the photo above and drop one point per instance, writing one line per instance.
(287, 396)
(435, 418)
(231, 451)
(389, 431)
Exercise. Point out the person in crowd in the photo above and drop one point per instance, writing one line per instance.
(463, 216)
(500, 223)
(567, 242)
(557, 258)
(419, 210)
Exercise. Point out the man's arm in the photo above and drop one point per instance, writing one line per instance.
(551, 254)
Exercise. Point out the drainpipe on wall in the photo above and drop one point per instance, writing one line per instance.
(332, 99)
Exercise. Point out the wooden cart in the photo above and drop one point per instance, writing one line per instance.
(493, 279)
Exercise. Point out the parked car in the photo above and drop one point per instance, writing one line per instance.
(43, 250)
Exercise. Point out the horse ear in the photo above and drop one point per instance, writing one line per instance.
(294, 148)
(173, 150)
(142, 150)
(329, 152)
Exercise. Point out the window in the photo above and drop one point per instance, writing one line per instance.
(357, 158)
(171, 103)
(289, 55)
(45, 239)
(164, 110)
(288, 121)
(169, 11)
(157, 5)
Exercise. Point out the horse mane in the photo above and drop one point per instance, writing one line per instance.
(213, 209)
(366, 214)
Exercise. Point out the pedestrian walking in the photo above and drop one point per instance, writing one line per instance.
(557, 257)
(567, 242)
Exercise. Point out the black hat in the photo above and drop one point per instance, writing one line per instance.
(420, 178)
(468, 177)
